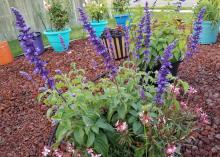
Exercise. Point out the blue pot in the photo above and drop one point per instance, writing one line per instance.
(99, 27)
(55, 41)
(209, 33)
(121, 19)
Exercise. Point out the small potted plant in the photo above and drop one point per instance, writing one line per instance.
(210, 25)
(58, 18)
(120, 7)
(97, 10)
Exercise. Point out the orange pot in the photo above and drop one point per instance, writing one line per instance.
(5, 53)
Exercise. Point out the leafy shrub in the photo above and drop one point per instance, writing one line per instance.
(93, 114)
(58, 15)
(97, 10)
(212, 10)
(120, 6)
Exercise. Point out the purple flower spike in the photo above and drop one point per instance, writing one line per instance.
(162, 80)
(100, 48)
(110, 40)
(147, 32)
(26, 38)
(25, 75)
(62, 42)
(194, 37)
(127, 38)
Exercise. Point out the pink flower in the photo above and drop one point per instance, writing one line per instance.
(121, 126)
(170, 150)
(192, 90)
(204, 118)
(70, 148)
(90, 151)
(78, 155)
(46, 151)
(144, 118)
(198, 110)
(57, 153)
(183, 105)
(175, 90)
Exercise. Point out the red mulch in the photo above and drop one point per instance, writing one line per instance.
(24, 129)
(203, 73)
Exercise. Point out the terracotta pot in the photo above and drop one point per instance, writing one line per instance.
(5, 53)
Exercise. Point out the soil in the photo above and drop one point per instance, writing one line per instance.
(24, 128)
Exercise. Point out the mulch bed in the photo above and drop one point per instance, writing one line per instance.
(24, 128)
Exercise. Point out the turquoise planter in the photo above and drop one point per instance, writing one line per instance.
(209, 33)
(99, 27)
(121, 19)
(55, 41)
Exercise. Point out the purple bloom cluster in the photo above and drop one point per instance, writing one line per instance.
(62, 42)
(100, 48)
(144, 32)
(147, 32)
(194, 37)
(162, 80)
(127, 38)
(26, 38)
(110, 40)
(139, 37)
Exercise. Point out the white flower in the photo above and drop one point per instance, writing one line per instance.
(46, 151)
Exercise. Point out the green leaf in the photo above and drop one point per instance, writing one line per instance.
(101, 144)
(139, 152)
(79, 135)
(61, 132)
(102, 124)
(87, 121)
(91, 139)
(122, 111)
(136, 127)
(95, 129)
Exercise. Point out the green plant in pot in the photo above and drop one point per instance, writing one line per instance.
(210, 25)
(58, 34)
(120, 7)
(98, 11)
(164, 31)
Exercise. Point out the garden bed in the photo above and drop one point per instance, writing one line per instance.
(25, 130)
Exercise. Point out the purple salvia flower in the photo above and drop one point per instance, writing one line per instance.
(194, 37)
(100, 48)
(127, 38)
(58, 71)
(162, 80)
(139, 37)
(147, 32)
(62, 42)
(25, 75)
(26, 39)
(110, 40)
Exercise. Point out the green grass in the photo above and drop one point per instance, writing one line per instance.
(78, 32)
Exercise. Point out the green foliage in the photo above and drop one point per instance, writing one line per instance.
(212, 10)
(88, 116)
(120, 6)
(164, 31)
(97, 10)
(58, 15)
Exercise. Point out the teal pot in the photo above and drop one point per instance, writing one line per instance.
(219, 26)
(57, 43)
(99, 27)
(121, 19)
(209, 33)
